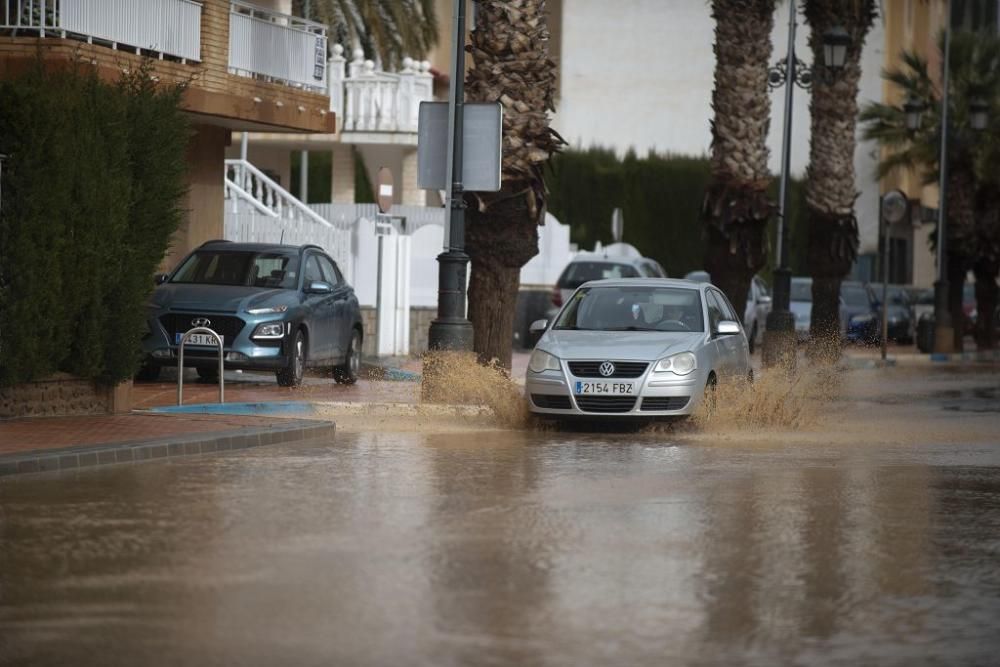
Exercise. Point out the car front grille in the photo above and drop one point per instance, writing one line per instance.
(664, 403)
(592, 369)
(551, 402)
(227, 326)
(605, 404)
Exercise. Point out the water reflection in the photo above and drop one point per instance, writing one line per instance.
(505, 548)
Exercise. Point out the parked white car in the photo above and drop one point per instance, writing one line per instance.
(618, 260)
(636, 348)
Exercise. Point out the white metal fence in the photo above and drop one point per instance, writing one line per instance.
(276, 47)
(164, 27)
(369, 100)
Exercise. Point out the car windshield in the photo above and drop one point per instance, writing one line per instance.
(801, 291)
(577, 273)
(633, 309)
(854, 295)
(249, 269)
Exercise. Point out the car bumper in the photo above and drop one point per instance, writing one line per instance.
(552, 394)
(240, 353)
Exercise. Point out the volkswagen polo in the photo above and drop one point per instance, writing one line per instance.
(643, 347)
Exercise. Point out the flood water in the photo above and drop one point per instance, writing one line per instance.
(490, 546)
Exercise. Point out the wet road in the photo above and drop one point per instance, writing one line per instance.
(532, 548)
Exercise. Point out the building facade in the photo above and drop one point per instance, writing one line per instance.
(247, 67)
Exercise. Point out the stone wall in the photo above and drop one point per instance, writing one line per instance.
(62, 395)
(420, 322)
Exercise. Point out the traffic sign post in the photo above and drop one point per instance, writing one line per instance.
(892, 210)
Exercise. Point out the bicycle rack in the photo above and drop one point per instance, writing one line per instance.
(180, 362)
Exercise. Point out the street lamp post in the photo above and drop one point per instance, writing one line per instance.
(779, 332)
(451, 330)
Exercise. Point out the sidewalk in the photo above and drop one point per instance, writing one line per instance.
(60, 443)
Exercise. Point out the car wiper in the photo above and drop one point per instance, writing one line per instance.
(633, 328)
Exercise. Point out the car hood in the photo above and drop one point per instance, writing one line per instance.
(219, 298)
(619, 345)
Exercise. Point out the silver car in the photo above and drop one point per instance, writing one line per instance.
(643, 347)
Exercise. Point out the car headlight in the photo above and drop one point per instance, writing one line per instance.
(267, 310)
(542, 361)
(269, 330)
(681, 364)
(862, 319)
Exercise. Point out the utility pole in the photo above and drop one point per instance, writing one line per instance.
(944, 334)
(452, 330)
(779, 331)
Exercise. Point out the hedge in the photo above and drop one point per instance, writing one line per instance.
(660, 197)
(92, 191)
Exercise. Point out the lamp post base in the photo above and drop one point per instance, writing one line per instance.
(780, 340)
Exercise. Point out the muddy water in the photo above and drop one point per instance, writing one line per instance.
(486, 546)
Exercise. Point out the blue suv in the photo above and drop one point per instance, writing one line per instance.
(277, 307)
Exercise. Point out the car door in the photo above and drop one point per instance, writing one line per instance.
(340, 324)
(734, 354)
(319, 308)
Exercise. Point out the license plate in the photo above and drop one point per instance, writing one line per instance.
(623, 388)
(198, 339)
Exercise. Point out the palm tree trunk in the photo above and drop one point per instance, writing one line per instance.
(830, 195)
(986, 302)
(511, 65)
(736, 207)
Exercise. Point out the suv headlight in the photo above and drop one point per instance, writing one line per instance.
(680, 364)
(862, 319)
(269, 330)
(542, 361)
(267, 310)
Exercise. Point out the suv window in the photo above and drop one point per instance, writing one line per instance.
(330, 270)
(313, 273)
(215, 267)
(577, 273)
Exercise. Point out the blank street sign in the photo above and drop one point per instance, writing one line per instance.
(481, 155)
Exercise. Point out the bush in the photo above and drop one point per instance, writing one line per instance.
(88, 208)
(660, 197)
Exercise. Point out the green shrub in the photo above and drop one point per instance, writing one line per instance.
(660, 197)
(92, 191)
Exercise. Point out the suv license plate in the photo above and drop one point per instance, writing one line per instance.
(622, 388)
(198, 339)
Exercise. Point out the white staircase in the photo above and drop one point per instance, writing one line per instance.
(258, 210)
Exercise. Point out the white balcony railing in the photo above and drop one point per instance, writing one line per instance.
(370, 100)
(160, 27)
(276, 47)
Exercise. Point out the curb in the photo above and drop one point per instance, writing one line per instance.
(993, 355)
(349, 409)
(247, 408)
(72, 458)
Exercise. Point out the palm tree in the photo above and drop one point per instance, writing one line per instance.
(386, 29)
(973, 162)
(511, 64)
(830, 195)
(736, 207)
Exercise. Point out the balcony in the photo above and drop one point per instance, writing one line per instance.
(161, 28)
(371, 102)
(278, 48)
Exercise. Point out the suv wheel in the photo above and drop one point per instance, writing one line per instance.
(148, 373)
(208, 374)
(291, 375)
(348, 372)
(752, 340)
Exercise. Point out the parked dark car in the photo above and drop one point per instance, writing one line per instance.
(902, 326)
(859, 312)
(278, 308)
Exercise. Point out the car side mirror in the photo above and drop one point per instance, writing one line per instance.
(538, 326)
(318, 287)
(764, 299)
(727, 328)
(161, 278)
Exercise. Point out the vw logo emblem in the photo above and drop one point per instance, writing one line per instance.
(607, 369)
(201, 322)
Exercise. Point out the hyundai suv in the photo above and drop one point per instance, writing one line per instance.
(277, 308)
